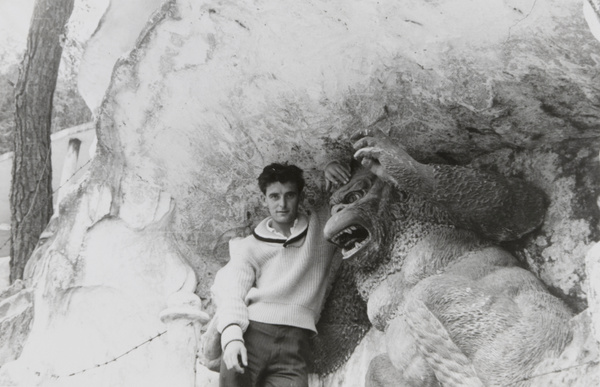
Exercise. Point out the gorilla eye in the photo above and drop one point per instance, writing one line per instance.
(353, 196)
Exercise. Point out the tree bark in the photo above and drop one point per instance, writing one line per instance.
(31, 187)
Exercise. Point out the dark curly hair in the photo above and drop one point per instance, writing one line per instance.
(282, 173)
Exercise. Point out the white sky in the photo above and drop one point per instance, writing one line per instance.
(15, 16)
(14, 24)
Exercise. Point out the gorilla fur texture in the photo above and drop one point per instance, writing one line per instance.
(456, 309)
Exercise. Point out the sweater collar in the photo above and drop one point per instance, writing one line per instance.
(263, 233)
(272, 230)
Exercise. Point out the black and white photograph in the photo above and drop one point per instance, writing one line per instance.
(299, 193)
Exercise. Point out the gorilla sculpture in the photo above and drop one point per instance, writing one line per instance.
(422, 239)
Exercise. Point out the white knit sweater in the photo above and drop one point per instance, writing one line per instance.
(274, 280)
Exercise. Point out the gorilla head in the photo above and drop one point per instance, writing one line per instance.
(370, 216)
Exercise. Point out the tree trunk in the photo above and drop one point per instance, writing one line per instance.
(31, 187)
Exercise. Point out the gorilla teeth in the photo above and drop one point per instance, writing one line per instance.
(357, 246)
(351, 239)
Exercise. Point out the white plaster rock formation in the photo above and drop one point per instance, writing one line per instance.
(592, 265)
(591, 11)
(115, 36)
(212, 91)
(16, 312)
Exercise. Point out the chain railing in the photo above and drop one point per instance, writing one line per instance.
(116, 358)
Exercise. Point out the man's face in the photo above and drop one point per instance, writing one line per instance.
(282, 200)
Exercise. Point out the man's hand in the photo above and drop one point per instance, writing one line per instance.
(234, 351)
(336, 173)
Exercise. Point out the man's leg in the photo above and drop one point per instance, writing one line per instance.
(232, 378)
(289, 368)
(259, 345)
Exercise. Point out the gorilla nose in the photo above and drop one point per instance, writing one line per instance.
(337, 208)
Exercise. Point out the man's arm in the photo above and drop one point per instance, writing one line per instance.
(230, 288)
(497, 207)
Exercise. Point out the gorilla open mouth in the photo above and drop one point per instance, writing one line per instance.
(351, 239)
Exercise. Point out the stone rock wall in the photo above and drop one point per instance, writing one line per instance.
(212, 91)
(15, 320)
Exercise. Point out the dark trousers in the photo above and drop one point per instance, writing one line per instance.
(278, 356)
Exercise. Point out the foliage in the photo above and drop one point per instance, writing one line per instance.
(69, 109)
(7, 82)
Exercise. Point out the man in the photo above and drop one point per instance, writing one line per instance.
(270, 294)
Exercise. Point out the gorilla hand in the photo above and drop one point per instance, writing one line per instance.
(390, 162)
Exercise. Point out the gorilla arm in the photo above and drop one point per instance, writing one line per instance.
(492, 205)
